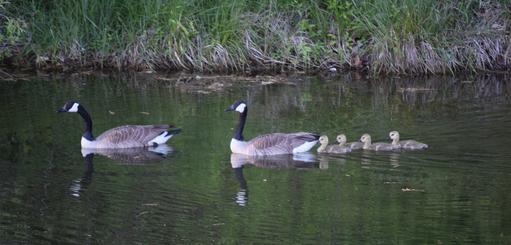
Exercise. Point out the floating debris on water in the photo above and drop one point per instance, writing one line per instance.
(411, 189)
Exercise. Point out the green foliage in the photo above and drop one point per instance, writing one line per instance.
(12, 31)
(409, 36)
(342, 11)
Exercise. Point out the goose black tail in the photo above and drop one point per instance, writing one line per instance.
(173, 131)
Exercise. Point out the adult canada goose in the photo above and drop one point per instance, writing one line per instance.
(336, 149)
(127, 136)
(406, 144)
(341, 139)
(268, 144)
(366, 139)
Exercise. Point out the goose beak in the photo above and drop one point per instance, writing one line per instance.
(61, 110)
(229, 108)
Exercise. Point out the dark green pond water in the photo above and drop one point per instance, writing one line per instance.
(456, 192)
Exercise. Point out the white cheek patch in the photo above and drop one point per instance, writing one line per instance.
(241, 108)
(73, 108)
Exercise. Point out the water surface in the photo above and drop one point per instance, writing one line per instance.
(455, 192)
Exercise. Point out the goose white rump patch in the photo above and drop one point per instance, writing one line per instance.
(304, 147)
(160, 139)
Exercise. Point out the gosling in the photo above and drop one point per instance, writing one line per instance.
(406, 144)
(341, 139)
(366, 139)
(334, 149)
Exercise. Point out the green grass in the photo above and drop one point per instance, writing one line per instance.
(382, 36)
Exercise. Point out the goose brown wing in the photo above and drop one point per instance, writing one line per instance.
(279, 143)
(132, 133)
(266, 141)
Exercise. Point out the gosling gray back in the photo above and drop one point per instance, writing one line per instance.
(341, 138)
(406, 144)
(332, 149)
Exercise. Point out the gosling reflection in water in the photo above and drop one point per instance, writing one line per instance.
(238, 161)
(122, 156)
(369, 158)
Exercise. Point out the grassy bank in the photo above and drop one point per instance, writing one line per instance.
(381, 36)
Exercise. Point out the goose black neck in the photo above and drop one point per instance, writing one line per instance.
(87, 133)
(89, 167)
(238, 133)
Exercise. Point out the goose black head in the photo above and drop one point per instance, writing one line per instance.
(70, 106)
(239, 106)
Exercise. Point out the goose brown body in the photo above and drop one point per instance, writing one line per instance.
(273, 144)
(129, 136)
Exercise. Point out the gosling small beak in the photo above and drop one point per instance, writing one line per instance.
(337, 142)
(61, 110)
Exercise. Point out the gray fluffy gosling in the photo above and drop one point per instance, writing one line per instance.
(366, 139)
(336, 149)
(341, 139)
(406, 144)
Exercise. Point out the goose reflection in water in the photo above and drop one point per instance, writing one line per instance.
(238, 161)
(123, 156)
(79, 184)
(138, 155)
